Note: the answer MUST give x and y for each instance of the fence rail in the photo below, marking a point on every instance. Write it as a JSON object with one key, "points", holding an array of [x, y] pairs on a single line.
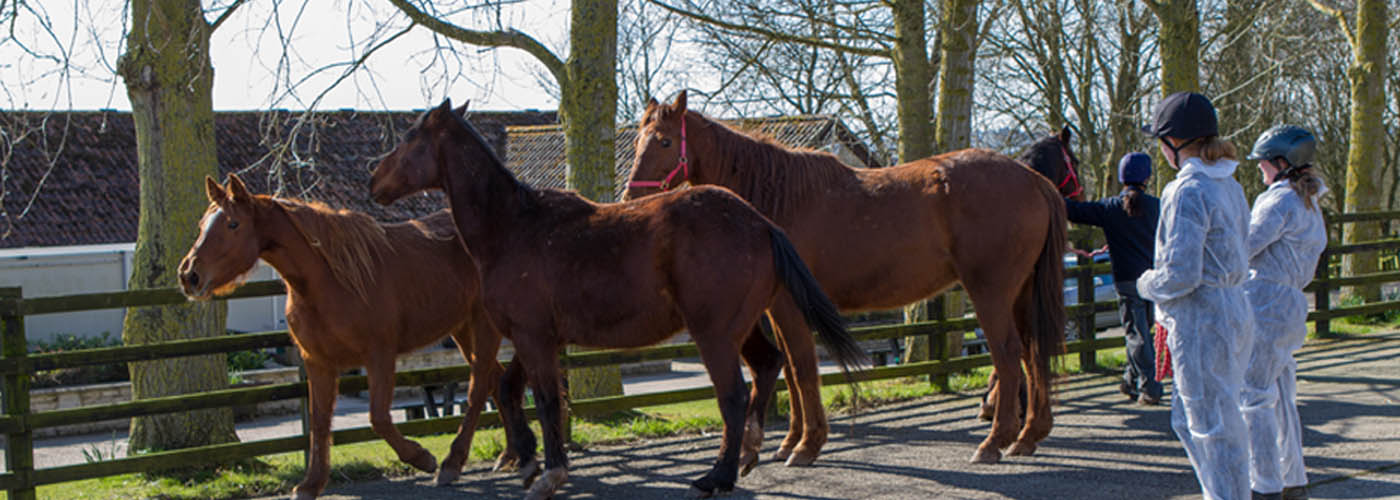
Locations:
{"points": [[17, 365]]}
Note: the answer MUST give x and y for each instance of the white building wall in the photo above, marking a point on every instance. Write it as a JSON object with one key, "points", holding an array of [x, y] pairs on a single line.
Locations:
{"points": [[51, 271]]}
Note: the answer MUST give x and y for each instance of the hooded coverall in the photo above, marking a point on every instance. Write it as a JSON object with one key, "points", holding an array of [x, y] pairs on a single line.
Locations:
{"points": [[1285, 241], [1200, 263]]}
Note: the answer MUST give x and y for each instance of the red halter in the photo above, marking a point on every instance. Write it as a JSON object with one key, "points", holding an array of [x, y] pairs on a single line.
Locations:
{"points": [[1070, 175], [682, 167]]}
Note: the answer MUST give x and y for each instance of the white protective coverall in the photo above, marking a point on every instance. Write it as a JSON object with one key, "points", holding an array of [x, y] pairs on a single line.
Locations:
{"points": [[1285, 241], [1199, 266]]}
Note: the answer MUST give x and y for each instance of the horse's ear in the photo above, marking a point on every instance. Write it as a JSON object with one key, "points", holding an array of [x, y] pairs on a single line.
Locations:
{"points": [[462, 110], [237, 191], [1065, 134], [213, 190], [680, 102], [652, 104], [442, 109]]}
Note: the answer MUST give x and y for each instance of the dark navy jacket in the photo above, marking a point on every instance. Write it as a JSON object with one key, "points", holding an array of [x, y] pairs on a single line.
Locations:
{"points": [[1129, 238]]}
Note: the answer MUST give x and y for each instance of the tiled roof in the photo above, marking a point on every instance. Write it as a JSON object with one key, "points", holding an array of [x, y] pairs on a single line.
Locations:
{"points": [[536, 153], [90, 191]]}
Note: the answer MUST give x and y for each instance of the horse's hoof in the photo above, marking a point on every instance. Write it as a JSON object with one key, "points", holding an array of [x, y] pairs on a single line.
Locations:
{"points": [[300, 493], [424, 461], [988, 411], [696, 492], [505, 462], [529, 471], [783, 453], [801, 458], [747, 461], [548, 484], [1020, 449], [446, 475], [986, 456]]}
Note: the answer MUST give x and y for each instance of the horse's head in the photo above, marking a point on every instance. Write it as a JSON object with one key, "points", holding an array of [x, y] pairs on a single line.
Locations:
{"points": [[228, 243], [1053, 157], [415, 164], [661, 162]]}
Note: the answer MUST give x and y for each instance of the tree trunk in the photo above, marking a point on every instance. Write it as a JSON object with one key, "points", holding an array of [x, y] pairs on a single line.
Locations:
{"points": [[1179, 42], [1367, 74], [954, 129], [959, 29], [168, 78], [589, 110], [912, 76]]}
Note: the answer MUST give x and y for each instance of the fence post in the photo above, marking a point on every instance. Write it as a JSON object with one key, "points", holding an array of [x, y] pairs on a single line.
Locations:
{"points": [[1088, 360], [306, 412], [19, 449], [1322, 296], [938, 341]]}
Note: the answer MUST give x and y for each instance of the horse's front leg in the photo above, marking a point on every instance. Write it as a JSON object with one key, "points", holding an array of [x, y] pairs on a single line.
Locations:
{"points": [[545, 377], [321, 389], [520, 440], [479, 345], [381, 394]]}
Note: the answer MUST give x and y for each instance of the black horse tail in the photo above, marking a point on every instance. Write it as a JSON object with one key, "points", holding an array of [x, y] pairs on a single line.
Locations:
{"points": [[821, 314], [1047, 312]]}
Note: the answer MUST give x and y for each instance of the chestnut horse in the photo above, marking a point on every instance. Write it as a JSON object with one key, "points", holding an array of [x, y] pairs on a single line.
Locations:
{"points": [[882, 238], [559, 269], [355, 297]]}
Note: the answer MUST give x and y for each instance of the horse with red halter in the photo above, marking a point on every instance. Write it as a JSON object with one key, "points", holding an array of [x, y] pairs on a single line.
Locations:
{"points": [[559, 269], [1053, 157], [882, 238], [355, 297]]}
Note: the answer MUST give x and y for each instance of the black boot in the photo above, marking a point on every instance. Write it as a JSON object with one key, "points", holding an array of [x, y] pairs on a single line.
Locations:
{"points": [[1254, 495], [1295, 493]]}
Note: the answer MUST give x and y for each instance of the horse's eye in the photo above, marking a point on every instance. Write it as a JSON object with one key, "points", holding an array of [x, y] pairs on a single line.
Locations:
{"points": [[233, 224], [665, 143]]}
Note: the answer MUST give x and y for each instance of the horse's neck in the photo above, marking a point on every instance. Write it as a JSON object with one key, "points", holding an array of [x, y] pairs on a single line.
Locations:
{"points": [[768, 185], [300, 266], [484, 205]]}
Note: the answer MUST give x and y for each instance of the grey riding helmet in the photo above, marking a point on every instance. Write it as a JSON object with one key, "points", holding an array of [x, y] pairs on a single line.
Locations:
{"points": [[1292, 143]]}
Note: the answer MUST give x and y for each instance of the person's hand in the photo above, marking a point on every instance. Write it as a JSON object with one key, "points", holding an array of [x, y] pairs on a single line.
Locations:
{"points": [[1101, 250]]}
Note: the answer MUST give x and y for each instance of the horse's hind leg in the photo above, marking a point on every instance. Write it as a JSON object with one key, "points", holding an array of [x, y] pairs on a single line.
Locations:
{"points": [[989, 406], [321, 387], [994, 312], [795, 415], [1036, 394], [722, 363], [764, 361], [486, 374], [381, 392], [797, 337]]}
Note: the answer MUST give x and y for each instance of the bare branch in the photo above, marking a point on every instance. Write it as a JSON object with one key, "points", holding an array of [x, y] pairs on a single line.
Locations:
{"points": [[225, 15], [785, 37], [1340, 16], [503, 38]]}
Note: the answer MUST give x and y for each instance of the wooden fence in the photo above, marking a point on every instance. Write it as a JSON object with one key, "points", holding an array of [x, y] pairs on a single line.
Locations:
{"points": [[17, 365]]}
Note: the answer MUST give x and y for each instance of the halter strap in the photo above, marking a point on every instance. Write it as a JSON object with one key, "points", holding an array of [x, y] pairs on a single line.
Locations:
{"points": [[1070, 174], [682, 167]]}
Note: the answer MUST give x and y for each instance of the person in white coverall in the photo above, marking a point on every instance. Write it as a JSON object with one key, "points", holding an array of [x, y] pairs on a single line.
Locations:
{"points": [[1286, 237], [1199, 265]]}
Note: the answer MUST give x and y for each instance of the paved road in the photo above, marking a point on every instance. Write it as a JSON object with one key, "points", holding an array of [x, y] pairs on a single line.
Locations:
{"points": [[1102, 447]]}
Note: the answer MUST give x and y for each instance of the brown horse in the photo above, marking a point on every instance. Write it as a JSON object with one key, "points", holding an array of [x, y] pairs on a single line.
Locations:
{"points": [[355, 297], [559, 269], [881, 238]]}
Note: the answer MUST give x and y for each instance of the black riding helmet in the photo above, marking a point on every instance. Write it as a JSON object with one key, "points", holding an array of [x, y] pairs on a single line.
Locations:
{"points": [[1294, 144], [1183, 115]]}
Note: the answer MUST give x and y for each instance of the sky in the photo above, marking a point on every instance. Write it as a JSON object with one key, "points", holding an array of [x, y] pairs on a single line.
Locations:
{"points": [[252, 71]]}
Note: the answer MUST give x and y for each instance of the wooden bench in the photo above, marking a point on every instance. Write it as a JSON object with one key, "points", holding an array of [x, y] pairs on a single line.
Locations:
{"points": [[451, 403]]}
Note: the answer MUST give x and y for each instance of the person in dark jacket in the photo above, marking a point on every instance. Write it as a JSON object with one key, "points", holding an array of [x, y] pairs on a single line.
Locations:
{"points": [[1129, 223]]}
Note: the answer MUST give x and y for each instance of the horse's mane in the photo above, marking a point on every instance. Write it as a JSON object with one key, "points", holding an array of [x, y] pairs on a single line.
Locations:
{"points": [[773, 177], [349, 241], [525, 191]]}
